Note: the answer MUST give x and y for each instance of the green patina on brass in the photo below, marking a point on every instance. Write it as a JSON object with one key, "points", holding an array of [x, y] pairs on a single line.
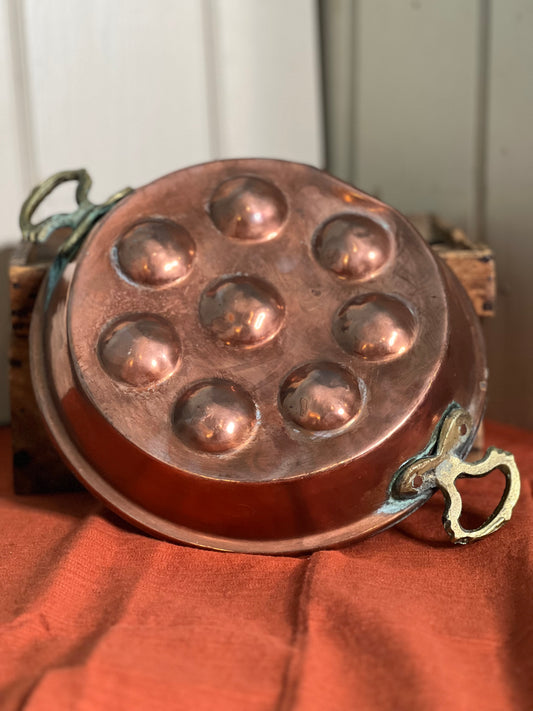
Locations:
{"points": [[80, 221], [441, 463]]}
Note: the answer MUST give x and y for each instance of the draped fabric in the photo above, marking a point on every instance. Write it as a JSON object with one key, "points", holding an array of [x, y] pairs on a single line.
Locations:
{"points": [[95, 615]]}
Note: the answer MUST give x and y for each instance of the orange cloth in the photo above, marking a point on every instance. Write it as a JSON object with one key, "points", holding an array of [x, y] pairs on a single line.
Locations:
{"points": [[94, 615]]}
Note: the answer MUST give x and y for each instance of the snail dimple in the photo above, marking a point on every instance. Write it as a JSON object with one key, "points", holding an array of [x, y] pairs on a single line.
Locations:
{"points": [[139, 351], [156, 253], [248, 208], [375, 327], [352, 246], [320, 397], [215, 416], [242, 311]]}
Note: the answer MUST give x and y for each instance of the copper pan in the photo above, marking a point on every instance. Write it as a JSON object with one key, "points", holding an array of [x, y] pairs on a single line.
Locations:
{"points": [[252, 355]]}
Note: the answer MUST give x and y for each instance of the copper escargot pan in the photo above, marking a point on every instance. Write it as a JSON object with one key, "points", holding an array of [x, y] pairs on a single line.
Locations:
{"points": [[245, 355]]}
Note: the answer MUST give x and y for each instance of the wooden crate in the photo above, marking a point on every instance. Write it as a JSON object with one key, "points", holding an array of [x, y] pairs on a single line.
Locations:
{"points": [[38, 469], [473, 264]]}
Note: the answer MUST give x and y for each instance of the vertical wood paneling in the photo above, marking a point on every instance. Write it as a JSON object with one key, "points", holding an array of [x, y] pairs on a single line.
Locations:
{"points": [[267, 78], [509, 214], [12, 185], [117, 87], [132, 89], [337, 20], [416, 112]]}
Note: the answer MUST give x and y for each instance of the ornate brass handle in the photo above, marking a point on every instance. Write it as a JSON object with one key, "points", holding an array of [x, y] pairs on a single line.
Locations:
{"points": [[42, 230], [441, 464], [79, 221]]}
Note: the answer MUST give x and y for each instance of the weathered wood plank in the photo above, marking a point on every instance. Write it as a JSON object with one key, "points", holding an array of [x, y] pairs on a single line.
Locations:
{"points": [[475, 269], [37, 467], [473, 264]]}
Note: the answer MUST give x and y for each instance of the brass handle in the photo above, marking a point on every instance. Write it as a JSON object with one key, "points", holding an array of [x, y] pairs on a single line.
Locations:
{"points": [[80, 221], [441, 464], [454, 468], [42, 230]]}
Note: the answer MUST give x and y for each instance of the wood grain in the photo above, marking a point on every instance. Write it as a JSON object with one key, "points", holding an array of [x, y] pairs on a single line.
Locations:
{"points": [[37, 467], [475, 269]]}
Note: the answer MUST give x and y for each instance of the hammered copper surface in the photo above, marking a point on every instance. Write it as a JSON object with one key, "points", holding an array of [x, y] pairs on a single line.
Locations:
{"points": [[245, 352]]}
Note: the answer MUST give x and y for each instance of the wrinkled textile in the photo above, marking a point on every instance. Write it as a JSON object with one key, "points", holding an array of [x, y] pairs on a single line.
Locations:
{"points": [[94, 615]]}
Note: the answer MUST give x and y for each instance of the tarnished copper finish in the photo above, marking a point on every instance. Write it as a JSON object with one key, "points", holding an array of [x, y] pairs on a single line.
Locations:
{"points": [[353, 246], [248, 208], [139, 351], [155, 253], [244, 353], [375, 327], [320, 397], [215, 416], [241, 311]]}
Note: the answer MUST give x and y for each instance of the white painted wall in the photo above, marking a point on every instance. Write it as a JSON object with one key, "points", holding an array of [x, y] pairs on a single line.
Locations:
{"points": [[132, 90], [509, 192], [13, 151], [430, 106]]}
